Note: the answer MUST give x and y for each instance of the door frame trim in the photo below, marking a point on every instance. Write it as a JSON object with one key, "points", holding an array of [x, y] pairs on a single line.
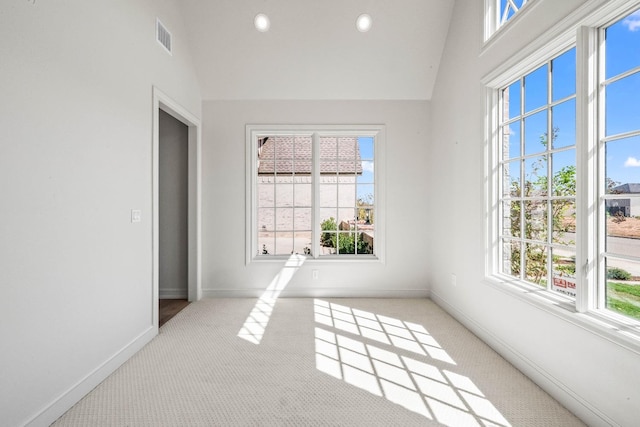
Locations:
{"points": [[162, 101]]}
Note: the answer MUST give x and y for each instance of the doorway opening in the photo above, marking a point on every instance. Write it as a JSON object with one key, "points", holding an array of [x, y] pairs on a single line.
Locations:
{"points": [[176, 208]]}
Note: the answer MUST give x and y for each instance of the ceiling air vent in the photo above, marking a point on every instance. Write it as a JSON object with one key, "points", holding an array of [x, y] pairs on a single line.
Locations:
{"points": [[163, 36]]}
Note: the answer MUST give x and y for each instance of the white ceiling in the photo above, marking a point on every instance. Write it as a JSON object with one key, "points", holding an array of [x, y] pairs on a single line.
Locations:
{"points": [[313, 50]]}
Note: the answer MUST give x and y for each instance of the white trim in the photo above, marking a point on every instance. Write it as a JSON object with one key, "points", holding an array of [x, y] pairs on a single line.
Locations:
{"points": [[378, 132], [174, 293], [315, 292], [493, 30], [163, 102], [549, 383], [586, 173], [55, 409]]}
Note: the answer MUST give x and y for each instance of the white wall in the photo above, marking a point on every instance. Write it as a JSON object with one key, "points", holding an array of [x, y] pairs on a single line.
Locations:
{"points": [[223, 205], [75, 141], [593, 377]]}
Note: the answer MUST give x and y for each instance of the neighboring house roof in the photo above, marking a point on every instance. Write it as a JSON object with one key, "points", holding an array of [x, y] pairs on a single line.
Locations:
{"points": [[283, 154], [626, 188]]}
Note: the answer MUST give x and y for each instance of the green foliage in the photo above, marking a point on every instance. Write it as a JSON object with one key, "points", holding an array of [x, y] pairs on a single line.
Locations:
{"points": [[623, 288], [345, 242], [623, 307], [615, 273], [536, 225]]}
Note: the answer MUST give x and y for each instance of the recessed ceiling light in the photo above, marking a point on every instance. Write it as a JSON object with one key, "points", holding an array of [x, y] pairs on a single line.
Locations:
{"points": [[261, 21], [363, 23]]}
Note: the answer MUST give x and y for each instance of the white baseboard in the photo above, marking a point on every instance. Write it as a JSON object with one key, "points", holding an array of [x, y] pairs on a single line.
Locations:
{"points": [[319, 293], [66, 400], [568, 398], [174, 293]]}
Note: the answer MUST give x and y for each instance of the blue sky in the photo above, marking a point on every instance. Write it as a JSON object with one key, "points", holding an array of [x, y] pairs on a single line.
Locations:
{"points": [[623, 99], [365, 181]]}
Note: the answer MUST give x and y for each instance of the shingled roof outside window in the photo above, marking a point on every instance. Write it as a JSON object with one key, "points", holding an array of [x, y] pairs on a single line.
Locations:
{"points": [[286, 155]]}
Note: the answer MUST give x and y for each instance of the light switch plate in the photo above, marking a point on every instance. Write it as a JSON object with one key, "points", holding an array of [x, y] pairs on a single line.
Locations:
{"points": [[136, 215]]}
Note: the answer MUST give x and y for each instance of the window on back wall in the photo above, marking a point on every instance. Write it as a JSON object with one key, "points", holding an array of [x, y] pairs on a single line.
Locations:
{"points": [[564, 193], [314, 191]]}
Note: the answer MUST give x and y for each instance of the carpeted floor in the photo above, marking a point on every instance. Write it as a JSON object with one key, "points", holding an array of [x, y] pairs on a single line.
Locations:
{"points": [[316, 362]]}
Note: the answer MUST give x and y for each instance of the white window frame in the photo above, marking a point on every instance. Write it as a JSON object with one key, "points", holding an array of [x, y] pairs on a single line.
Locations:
{"points": [[582, 29], [378, 132], [493, 23]]}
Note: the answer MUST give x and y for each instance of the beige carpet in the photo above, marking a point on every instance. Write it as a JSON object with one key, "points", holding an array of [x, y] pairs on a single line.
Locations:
{"points": [[316, 362]]}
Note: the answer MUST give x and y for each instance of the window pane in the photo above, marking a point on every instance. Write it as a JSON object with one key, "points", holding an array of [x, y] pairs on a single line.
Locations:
{"points": [[564, 221], [284, 244], [346, 242], [302, 195], [302, 243], [366, 217], [563, 75], [266, 244], [328, 214], [365, 193], [511, 257], [284, 194], [564, 124], [511, 179], [266, 221], [508, 8], [564, 272], [367, 175], [346, 217], [266, 195], [511, 141], [328, 241], [536, 137], [302, 219], [536, 220], [511, 218], [284, 219], [535, 89], [328, 147], [536, 264], [622, 165], [623, 38], [364, 243], [346, 195], [622, 105], [564, 173], [622, 291], [623, 231], [365, 144], [536, 177], [328, 195], [511, 101]]}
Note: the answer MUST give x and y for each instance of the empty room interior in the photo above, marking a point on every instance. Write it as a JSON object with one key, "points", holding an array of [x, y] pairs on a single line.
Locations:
{"points": [[442, 186]]}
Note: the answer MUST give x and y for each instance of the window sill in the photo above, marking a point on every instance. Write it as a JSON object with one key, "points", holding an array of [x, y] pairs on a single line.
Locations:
{"points": [[614, 328], [322, 259]]}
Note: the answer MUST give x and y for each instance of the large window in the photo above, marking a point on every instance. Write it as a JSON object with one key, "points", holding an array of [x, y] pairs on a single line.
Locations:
{"points": [[314, 191], [565, 167]]}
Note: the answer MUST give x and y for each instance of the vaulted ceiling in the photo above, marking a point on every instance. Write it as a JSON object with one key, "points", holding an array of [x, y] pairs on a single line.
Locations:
{"points": [[313, 50]]}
